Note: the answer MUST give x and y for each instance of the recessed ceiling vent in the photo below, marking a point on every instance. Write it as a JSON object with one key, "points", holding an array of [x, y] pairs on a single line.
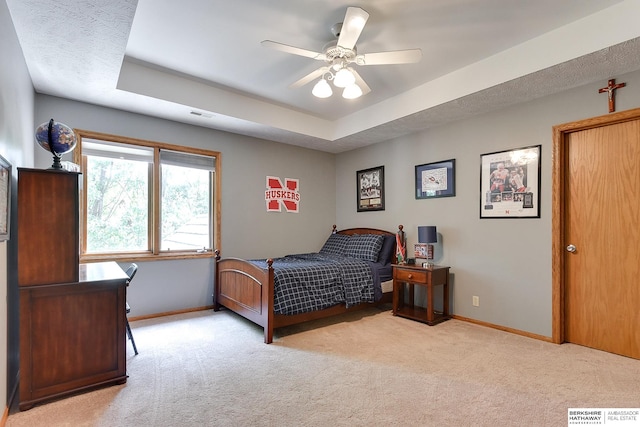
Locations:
{"points": [[200, 114]]}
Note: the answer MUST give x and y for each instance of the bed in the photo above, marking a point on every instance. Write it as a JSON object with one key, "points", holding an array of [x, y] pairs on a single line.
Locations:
{"points": [[273, 293]]}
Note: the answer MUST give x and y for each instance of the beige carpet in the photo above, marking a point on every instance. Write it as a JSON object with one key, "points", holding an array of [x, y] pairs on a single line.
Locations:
{"points": [[369, 369]]}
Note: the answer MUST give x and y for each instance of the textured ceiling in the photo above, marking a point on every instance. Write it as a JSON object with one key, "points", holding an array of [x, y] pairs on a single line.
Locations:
{"points": [[169, 59]]}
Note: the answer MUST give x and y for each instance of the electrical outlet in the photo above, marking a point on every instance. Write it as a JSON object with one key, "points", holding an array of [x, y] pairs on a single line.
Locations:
{"points": [[476, 301]]}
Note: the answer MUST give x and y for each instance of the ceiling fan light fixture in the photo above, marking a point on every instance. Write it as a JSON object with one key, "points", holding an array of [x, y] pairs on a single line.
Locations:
{"points": [[322, 89], [352, 91], [344, 77], [337, 64], [339, 54]]}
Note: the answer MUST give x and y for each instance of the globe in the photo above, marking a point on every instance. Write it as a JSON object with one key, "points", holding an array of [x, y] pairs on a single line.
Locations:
{"points": [[57, 138]]}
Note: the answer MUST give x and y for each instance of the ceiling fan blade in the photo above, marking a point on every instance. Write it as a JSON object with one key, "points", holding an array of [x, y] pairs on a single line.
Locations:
{"points": [[360, 82], [408, 56], [354, 21], [309, 77], [294, 50]]}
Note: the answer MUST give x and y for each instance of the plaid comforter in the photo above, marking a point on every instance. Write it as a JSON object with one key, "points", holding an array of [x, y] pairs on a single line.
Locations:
{"points": [[308, 282]]}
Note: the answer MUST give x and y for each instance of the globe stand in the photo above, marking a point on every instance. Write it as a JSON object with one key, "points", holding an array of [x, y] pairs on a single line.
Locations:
{"points": [[57, 165], [56, 157]]}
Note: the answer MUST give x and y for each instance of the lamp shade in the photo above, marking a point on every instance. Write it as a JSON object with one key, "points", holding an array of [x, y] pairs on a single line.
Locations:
{"points": [[322, 89], [352, 92], [344, 77], [427, 234]]}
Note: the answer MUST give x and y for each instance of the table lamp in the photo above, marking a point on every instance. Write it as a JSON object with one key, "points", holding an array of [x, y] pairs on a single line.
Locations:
{"points": [[428, 234]]}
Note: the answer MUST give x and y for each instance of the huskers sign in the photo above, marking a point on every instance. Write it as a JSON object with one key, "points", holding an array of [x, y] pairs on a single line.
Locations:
{"points": [[278, 195]]}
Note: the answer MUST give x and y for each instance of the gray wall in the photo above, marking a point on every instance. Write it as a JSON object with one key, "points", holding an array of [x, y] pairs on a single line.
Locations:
{"points": [[16, 145], [506, 262], [248, 230]]}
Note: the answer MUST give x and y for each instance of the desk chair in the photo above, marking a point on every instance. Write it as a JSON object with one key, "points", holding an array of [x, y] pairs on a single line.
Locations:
{"points": [[131, 271]]}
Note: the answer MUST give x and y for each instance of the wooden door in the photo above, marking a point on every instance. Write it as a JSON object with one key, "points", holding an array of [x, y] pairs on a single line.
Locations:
{"points": [[602, 221]]}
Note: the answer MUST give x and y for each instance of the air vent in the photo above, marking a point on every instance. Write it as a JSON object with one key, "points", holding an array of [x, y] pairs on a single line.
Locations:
{"points": [[200, 114]]}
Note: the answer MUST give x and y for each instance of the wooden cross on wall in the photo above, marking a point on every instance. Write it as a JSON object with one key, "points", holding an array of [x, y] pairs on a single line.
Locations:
{"points": [[611, 87]]}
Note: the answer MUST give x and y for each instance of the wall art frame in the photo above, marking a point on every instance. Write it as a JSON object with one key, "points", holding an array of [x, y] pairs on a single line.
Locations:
{"points": [[5, 199], [510, 183], [437, 179], [370, 185]]}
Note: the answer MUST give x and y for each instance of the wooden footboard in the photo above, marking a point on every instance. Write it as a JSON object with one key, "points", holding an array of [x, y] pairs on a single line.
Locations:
{"points": [[248, 290]]}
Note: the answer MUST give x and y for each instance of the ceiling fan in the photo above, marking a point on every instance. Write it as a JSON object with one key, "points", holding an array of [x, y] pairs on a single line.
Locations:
{"points": [[339, 56]]}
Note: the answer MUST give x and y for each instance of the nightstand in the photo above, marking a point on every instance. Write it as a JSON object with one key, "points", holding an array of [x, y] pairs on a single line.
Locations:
{"points": [[408, 276]]}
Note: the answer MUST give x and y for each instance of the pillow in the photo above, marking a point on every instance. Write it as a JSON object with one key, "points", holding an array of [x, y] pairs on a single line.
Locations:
{"points": [[364, 246], [387, 252], [335, 244]]}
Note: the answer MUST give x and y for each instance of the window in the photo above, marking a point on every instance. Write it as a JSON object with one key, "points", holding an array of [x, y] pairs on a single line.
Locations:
{"points": [[145, 199], [186, 201]]}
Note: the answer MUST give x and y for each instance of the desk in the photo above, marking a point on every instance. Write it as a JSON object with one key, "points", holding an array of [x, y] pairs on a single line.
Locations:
{"points": [[72, 335], [428, 277]]}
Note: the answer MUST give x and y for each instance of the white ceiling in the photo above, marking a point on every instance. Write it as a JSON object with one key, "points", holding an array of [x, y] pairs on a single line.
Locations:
{"points": [[166, 59]]}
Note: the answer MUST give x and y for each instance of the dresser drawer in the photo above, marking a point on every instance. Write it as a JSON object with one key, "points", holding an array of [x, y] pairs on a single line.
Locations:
{"points": [[411, 275]]}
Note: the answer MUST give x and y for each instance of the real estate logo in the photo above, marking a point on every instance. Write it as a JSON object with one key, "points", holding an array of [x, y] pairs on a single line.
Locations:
{"points": [[602, 416], [278, 195]]}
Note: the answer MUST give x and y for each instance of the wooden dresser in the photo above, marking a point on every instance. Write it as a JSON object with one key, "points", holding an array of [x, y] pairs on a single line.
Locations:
{"points": [[72, 316]]}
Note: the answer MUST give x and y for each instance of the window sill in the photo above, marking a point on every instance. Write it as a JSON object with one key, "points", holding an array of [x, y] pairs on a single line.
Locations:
{"points": [[129, 257]]}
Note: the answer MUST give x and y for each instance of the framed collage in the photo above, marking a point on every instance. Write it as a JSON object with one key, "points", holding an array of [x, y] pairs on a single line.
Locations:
{"points": [[370, 194], [510, 183]]}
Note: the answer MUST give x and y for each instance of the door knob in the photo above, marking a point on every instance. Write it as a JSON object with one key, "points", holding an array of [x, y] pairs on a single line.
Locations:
{"points": [[571, 248]]}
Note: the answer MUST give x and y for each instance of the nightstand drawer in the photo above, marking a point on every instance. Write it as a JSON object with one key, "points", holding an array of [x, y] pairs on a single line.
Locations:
{"points": [[411, 275]]}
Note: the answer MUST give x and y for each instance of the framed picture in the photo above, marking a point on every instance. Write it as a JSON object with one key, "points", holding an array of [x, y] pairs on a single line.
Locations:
{"points": [[5, 198], [420, 250], [370, 184], [510, 183], [436, 179]]}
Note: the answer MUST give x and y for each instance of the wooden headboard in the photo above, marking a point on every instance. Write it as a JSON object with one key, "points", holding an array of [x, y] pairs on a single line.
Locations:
{"points": [[364, 230]]}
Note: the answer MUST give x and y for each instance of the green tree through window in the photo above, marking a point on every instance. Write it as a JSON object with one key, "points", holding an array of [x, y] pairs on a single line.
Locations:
{"points": [[117, 205]]}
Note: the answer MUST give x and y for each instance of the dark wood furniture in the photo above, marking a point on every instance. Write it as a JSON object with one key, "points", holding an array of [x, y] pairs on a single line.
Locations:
{"points": [[248, 290], [408, 276], [48, 227], [72, 316], [72, 335]]}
